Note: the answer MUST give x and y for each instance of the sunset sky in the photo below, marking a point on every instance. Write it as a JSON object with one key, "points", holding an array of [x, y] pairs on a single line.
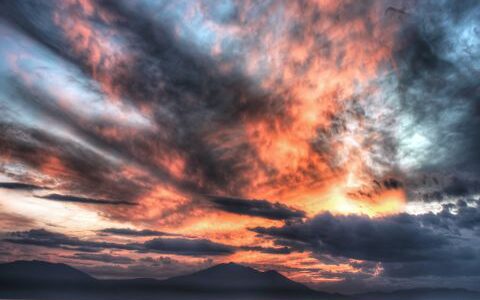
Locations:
{"points": [[337, 142]]}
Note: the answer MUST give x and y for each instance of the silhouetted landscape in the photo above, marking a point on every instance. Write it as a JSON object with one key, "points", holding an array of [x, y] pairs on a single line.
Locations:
{"points": [[44, 280]]}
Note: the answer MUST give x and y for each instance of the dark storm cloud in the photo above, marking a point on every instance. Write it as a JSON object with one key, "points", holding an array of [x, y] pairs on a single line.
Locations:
{"points": [[423, 246], [19, 186], [42, 237], [268, 250], [437, 53], [257, 208], [81, 169], [389, 183], [455, 216], [429, 247], [76, 199], [202, 245], [187, 93], [177, 246], [40, 27], [445, 188], [400, 238], [197, 99], [459, 187], [133, 232], [137, 148], [197, 247]]}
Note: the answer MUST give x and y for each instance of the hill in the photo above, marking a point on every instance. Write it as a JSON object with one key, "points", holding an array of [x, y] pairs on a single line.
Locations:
{"points": [[36, 279]]}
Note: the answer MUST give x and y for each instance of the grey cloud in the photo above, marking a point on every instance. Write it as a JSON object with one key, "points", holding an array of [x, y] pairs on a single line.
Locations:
{"points": [[437, 53], [76, 199], [42, 237], [20, 186], [455, 216], [135, 233], [269, 250], [84, 168], [400, 238], [258, 208], [190, 247], [177, 246]]}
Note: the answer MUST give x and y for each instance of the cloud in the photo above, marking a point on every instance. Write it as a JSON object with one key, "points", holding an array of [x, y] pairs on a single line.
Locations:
{"points": [[20, 186], [42, 237], [268, 250], [257, 208], [186, 73], [81, 169], [177, 246], [70, 198], [134, 233], [455, 216], [102, 257], [436, 51], [390, 252], [398, 238], [190, 247]]}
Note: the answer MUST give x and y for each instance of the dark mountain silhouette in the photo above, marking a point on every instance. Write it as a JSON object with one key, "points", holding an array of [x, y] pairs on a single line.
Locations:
{"points": [[232, 276], [43, 280], [40, 272], [36, 279]]}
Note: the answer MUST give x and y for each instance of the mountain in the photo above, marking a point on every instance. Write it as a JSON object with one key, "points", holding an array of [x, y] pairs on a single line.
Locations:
{"points": [[40, 272], [36, 279], [44, 280], [39, 279], [232, 276]]}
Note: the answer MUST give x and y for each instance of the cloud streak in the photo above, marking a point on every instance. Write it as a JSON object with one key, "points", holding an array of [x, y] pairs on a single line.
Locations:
{"points": [[133, 232], [20, 186], [177, 246], [76, 199], [257, 208]]}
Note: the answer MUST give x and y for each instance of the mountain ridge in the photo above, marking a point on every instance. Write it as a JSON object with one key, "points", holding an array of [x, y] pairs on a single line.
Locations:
{"points": [[41, 271], [232, 276], [38, 279], [229, 278]]}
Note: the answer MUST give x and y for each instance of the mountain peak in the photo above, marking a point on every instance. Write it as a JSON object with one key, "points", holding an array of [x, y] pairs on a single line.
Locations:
{"points": [[39, 276], [231, 266], [233, 276], [40, 271]]}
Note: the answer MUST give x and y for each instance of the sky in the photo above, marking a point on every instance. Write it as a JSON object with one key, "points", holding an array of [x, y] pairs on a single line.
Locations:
{"points": [[336, 142]]}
